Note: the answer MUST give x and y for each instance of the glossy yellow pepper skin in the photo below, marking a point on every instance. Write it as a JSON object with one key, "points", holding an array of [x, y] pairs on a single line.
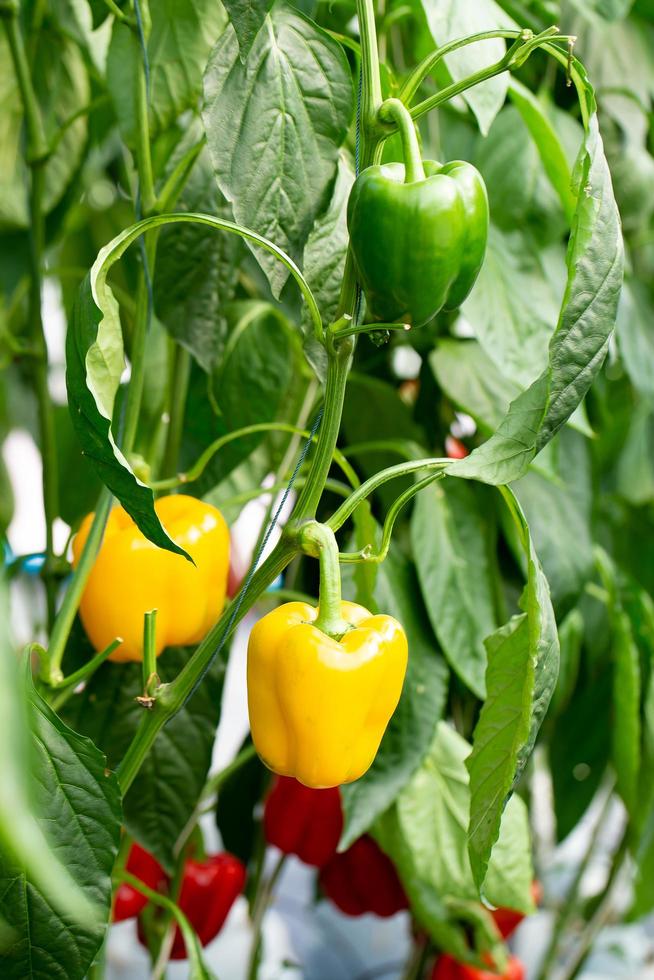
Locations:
{"points": [[319, 706], [131, 575]]}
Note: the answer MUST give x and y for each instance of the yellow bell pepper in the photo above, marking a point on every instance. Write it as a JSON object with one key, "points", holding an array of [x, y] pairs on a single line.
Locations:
{"points": [[131, 576], [319, 705]]}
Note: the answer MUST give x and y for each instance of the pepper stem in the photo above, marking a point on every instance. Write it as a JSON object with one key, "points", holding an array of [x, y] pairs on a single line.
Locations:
{"points": [[319, 541], [398, 112]]}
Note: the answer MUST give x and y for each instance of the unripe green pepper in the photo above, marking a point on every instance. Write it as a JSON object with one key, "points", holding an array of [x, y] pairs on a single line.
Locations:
{"points": [[418, 232]]}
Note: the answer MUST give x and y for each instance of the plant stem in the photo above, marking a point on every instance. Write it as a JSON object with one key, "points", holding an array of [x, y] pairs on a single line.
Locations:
{"points": [[36, 156], [68, 684], [413, 168], [569, 904], [66, 616], [181, 372], [260, 908], [514, 57], [149, 665], [600, 918], [371, 97], [319, 541], [340, 358]]}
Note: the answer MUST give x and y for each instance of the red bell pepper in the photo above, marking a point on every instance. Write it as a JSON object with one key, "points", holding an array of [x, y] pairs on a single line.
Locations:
{"points": [[303, 821], [209, 889], [129, 902], [508, 920], [447, 968], [363, 879]]}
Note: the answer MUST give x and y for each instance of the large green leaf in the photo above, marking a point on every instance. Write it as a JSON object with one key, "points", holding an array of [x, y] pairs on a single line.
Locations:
{"points": [[247, 17], [62, 89], [290, 104], [451, 551], [450, 20], [426, 835], [634, 335], [579, 344], [523, 660], [196, 269], [473, 381], [169, 783], [411, 729], [182, 35], [513, 307], [77, 805]]}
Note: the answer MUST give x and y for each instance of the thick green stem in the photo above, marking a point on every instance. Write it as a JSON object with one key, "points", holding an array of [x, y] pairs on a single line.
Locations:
{"points": [[149, 649], [143, 155], [395, 110], [340, 358], [319, 541], [372, 92], [37, 154]]}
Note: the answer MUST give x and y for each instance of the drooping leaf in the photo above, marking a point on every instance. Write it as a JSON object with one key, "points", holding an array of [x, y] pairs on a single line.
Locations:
{"points": [[626, 728], [579, 344], [95, 359], [182, 35], [169, 783], [426, 835], [411, 729], [450, 550], [290, 104], [523, 660], [77, 807]]}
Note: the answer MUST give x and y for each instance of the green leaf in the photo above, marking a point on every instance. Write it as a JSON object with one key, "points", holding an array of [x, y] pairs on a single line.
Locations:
{"points": [[626, 728], [324, 259], [635, 469], [571, 636], [449, 20], [182, 35], [472, 381], [290, 104], [522, 670], [450, 549], [94, 364], [529, 203], [171, 779], [426, 836], [77, 806], [238, 797], [62, 89], [634, 335], [558, 514], [259, 361], [196, 270], [546, 139], [513, 307], [579, 344], [247, 17], [411, 729], [79, 496]]}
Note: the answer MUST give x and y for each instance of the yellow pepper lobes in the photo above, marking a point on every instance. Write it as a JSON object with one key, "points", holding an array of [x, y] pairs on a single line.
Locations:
{"points": [[131, 575], [319, 706]]}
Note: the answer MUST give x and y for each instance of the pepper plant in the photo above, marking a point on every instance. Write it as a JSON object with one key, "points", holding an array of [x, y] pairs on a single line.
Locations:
{"points": [[363, 262]]}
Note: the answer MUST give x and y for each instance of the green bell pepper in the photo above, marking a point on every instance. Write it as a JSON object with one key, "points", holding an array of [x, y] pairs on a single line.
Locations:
{"points": [[417, 232]]}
